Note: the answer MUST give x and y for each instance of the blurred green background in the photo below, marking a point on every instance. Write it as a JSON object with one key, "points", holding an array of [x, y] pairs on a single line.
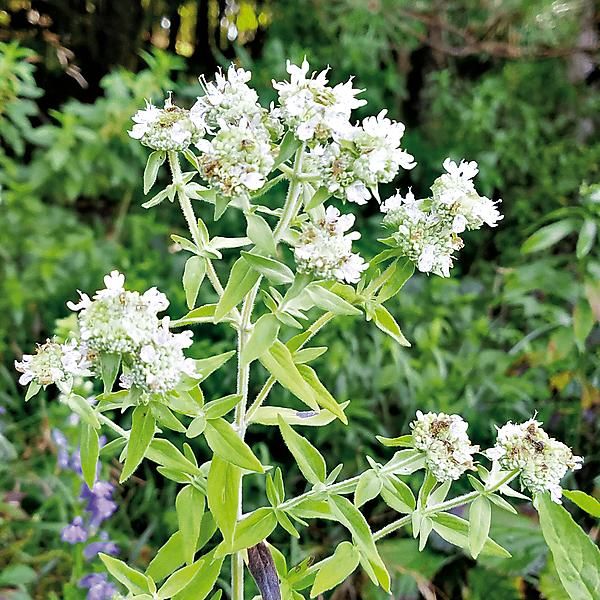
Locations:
{"points": [[513, 85]]}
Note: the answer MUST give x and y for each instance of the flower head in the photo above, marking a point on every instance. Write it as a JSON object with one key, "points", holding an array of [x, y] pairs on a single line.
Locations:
{"points": [[98, 586], [99, 502], [169, 128], [311, 108], [444, 440], [75, 532], [53, 363], [238, 159], [542, 460], [325, 249]]}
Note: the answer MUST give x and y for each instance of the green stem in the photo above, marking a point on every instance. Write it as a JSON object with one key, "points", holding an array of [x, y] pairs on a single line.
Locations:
{"points": [[293, 198], [119, 430], [444, 506]]}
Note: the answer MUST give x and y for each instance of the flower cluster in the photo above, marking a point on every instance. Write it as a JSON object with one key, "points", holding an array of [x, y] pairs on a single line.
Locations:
{"points": [[238, 159], [444, 440], [98, 586], [362, 157], [311, 108], [325, 249], [169, 128], [127, 323], [427, 231], [53, 363], [542, 460]]}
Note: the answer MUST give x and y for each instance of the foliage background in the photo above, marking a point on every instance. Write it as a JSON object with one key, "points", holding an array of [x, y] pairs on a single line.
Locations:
{"points": [[513, 85]]}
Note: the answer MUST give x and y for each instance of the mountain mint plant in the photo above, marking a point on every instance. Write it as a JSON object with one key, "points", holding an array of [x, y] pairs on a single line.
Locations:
{"points": [[295, 270]]}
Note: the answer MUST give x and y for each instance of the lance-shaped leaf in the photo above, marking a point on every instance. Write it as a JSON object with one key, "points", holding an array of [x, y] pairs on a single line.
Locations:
{"points": [[321, 394], [403, 441], [548, 236], [109, 368], [134, 581], [309, 460], [576, 557], [241, 280], [193, 276], [386, 322], [268, 415], [584, 501], [403, 271], [155, 160], [397, 495], [190, 508], [368, 487], [179, 580], [140, 436], [260, 233], [270, 268], [84, 409], [89, 449], [203, 582], [252, 529], [262, 568], [328, 300], [480, 519], [167, 455], [335, 569], [169, 558], [279, 362], [356, 524], [221, 406], [263, 336], [223, 496], [226, 443], [203, 314], [205, 366], [287, 148]]}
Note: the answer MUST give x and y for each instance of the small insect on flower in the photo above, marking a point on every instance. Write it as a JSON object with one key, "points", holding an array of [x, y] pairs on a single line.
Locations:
{"points": [[542, 460], [170, 128], [444, 440], [325, 249]]}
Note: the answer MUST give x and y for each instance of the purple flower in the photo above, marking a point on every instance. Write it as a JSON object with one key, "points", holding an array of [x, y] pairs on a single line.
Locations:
{"points": [[104, 545], [58, 437], [100, 504], [98, 587], [75, 532]]}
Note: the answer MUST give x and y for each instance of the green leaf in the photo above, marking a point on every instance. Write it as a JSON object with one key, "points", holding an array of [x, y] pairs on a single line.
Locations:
{"points": [[456, 531], [203, 314], [241, 280], [158, 198], [221, 406], [203, 582], [583, 322], [480, 519], [263, 336], [190, 508], [386, 322], [587, 236], [166, 454], [404, 269], [223, 496], [166, 418], [155, 160], [576, 557], [354, 521], [89, 449], [397, 495], [134, 581], [368, 487], [226, 443], [179, 580], [287, 148], [140, 436], [548, 236], [404, 441], [317, 198], [270, 268], [170, 557], [330, 301], [260, 233], [205, 366], [321, 394], [193, 275], [252, 529], [196, 427], [308, 458], [268, 415], [84, 409], [279, 362], [185, 244], [584, 501], [32, 390], [109, 368], [286, 523], [335, 569]]}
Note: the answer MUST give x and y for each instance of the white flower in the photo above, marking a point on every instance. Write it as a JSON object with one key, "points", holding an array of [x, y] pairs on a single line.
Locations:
{"points": [[53, 363], [325, 249], [160, 363], [541, 460], [238, 159], [444, 440], [455, 197], [311, 108], [169, 128], [117, 320]]}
